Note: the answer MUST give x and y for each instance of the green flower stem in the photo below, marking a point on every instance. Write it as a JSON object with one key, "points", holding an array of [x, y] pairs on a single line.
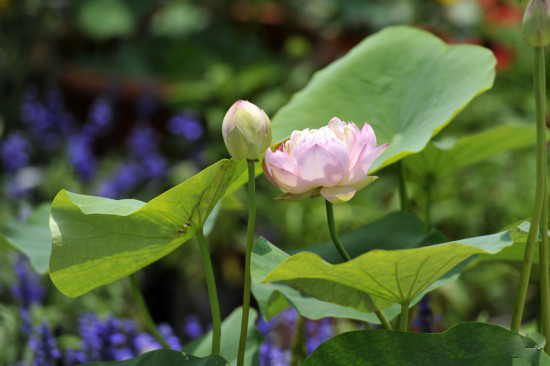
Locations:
{"points": [[212, 292], [545, 273], [403, 195], [299, 351], [540, 98], [404, 318], [345, 256], [144, 313], [249, 246]]}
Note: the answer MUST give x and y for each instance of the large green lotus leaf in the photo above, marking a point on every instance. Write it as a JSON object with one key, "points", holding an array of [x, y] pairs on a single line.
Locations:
{"points": [[396, 276], [273, 298], [442, 158], [515, 252], [31, 237], [98, 240], [474, 344], [397, 230], [407, 83], [166, 357], [231, 329]]}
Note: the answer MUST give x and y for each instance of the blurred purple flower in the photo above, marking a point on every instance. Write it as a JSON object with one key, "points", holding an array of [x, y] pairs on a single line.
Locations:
{"points": [[127, 177], [82, 157], [184, 124], [47, 120], [63, 121], [100, 115], [425, 316], [145, 342], [73, 357], [142, 141], [27, 291], [43, 345], [318, 332], [192, 326], [34, 113], [272, 355], [14, 151], [167, 333], [104, 341], [155, 166]]}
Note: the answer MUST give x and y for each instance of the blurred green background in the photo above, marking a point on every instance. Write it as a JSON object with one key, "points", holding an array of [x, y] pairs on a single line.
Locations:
{"points": [[89, 87]]}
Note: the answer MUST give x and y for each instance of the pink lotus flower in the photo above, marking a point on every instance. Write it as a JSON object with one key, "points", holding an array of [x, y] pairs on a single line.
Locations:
{"points": [[333, 161]]}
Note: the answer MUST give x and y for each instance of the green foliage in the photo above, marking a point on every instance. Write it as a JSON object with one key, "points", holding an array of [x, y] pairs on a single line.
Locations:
{"points": [[104, 19], [440, 159], [389, 276], [167, 358], [231, 328], [465, 344], [405, 82], [98, 240], [273, 298], [31, 237], [397, 230]]}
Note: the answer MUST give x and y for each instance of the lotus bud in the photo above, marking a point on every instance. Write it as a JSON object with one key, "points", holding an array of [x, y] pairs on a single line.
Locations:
{"points": [[246, 131], [536, 23]]}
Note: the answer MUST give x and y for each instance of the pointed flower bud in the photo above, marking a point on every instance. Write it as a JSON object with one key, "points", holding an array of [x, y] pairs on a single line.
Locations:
{"points": [[246, 131], [536, 23]]}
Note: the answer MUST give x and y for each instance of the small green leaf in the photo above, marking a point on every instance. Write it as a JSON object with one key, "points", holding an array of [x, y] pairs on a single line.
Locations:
{"points": [[442, 158], [231, 328], [32, 237], [464, 344], [98, 240], [167, 358], [389, 276], [407, 83]]}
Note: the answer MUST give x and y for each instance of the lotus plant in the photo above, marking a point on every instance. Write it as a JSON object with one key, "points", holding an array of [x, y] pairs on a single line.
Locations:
{"points": [[332, 161], [536, 32], [247, 134]]}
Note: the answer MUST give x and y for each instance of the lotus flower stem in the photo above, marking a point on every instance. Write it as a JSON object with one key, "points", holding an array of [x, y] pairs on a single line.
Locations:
{"points": [[545, 273], [345, 257], [404, 319], [540, 198], [144, 313], [249, 246], [403, 195], [212, 292]]}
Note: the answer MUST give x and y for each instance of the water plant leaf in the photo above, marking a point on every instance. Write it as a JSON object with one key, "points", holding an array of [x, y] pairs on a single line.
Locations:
{"points": [[389, 276], [166, 357], [464, 344], [31, 237], [98, 240], [407, 83], [442, 158], [273, 298], [231, 328]]}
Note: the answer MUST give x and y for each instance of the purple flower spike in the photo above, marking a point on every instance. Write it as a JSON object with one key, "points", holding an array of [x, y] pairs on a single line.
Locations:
{"points": [[44, 347], [14, 151], [193, 327], [184, 124]]}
